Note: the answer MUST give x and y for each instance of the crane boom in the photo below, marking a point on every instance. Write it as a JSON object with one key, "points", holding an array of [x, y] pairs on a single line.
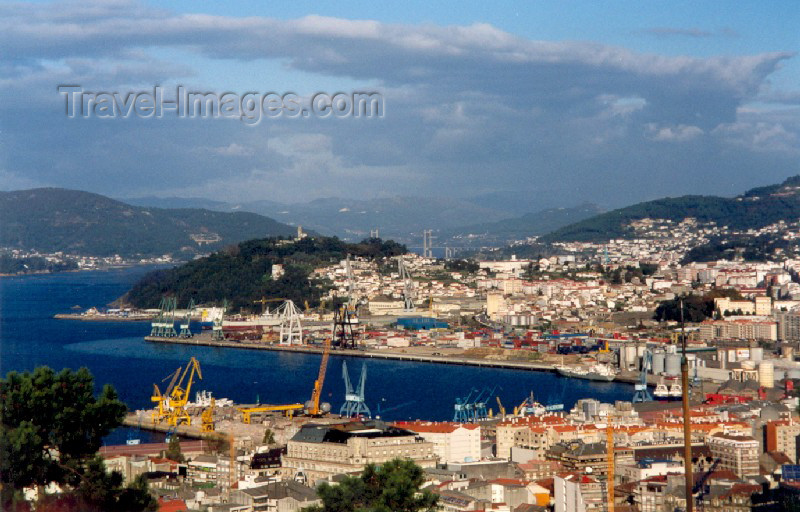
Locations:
{"points": [[323, 367]]}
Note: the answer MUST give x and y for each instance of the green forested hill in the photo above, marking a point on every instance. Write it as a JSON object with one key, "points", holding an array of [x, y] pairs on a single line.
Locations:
{"points": [[53, 219], [243, 273], [754, 209]]}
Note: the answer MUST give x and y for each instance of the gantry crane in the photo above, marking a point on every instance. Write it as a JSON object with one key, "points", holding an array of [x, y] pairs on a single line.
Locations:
{"points": [[313, 405], [179, 396], [288, 410]]}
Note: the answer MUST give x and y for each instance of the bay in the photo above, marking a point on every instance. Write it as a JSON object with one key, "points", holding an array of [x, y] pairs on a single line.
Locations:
{"points": [[116, 353]]}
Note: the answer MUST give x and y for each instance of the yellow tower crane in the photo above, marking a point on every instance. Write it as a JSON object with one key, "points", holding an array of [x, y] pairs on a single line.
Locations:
{"points": [[314, 408], [264, 301], [179, 396]]}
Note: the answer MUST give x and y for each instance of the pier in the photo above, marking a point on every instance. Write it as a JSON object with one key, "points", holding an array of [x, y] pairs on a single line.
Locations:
{"points": [[625, 377]]}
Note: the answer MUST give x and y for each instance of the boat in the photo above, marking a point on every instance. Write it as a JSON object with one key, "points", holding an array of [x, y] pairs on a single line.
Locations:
{"points": [[261, 322], [668, 393], [598, 372], [661, 392]]}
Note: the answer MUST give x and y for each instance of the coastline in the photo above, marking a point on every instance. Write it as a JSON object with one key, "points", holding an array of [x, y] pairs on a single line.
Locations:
{"points": [[381, 354]]}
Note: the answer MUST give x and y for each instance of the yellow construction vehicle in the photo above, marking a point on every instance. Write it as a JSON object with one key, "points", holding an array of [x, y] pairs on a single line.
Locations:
{"points": [[313, 405], [207, 418], [179, 396]]}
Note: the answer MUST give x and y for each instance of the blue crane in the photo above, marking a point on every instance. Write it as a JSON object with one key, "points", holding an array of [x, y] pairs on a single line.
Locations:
{"points": [[641, 393], [479, 406], [463, 408], [354, 404]]}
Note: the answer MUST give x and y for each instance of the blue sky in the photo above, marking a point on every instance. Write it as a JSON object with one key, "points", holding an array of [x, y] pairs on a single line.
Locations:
{"points": [[607, 102]]}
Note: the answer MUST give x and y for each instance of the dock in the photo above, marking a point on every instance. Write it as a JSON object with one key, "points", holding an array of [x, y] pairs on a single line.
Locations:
{"points": [[628, 378]]}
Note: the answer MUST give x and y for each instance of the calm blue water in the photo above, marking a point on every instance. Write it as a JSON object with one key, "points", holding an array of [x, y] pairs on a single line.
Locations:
{"points": [[116, 353]]}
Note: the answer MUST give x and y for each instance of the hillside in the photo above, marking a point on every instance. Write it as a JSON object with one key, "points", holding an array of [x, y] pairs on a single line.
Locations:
{"points": [[518, 228], [53, 219], [754, 209], [243, 273]]}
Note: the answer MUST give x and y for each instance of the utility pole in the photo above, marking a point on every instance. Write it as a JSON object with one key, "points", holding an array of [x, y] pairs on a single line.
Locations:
{"points": [[687, 432]]}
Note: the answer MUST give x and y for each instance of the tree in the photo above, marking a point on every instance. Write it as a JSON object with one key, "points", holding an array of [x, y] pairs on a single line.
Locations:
{"points": [[174, 449], [269, 437], [52, 427], [392, 487]]}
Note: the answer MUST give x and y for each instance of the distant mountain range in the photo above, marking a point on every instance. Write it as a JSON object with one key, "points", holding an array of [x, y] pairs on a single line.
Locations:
{"points": [[404, 218], [54, 219], [517, 228], [754, 209]]}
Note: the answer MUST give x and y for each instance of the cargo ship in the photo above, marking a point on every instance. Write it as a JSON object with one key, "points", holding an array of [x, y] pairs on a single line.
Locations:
{"points": [[598, 372]]}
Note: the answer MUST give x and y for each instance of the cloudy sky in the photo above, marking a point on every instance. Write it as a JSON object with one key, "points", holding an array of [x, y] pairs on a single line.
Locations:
{"points": [[609, 102]]}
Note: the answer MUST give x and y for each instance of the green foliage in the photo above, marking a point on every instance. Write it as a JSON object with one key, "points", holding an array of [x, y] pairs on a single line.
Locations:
{"points": [[735, 213], [11, 265], [243, 273], [52, 427], [269, 437], [468, 266], [392, 487], [747, 248], [174, 450], [696, 307], [52, 219]]}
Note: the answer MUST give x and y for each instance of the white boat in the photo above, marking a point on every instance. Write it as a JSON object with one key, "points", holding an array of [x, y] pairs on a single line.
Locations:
{"points": [[599, 372], [675, 392]]}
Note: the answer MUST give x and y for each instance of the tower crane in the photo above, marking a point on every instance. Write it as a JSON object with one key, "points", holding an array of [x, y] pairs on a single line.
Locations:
{"points": [[313, 406]]}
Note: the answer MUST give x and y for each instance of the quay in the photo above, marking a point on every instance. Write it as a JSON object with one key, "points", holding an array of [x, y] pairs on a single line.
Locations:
{"points": [[625, 377]]}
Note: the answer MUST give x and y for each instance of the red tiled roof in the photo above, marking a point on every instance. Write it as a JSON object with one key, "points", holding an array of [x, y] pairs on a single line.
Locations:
{"points": [[172, 505]]}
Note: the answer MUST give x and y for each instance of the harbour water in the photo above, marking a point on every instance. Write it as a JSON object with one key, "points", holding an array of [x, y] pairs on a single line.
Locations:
{"points": [[116, 353]]}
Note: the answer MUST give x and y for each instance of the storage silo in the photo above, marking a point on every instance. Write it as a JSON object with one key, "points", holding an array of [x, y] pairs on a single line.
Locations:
{"points": [[673, 364], [630, 357], [766, 377], [658, 362]]}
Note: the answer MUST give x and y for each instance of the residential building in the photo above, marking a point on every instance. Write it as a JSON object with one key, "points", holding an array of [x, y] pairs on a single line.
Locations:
{"points": [[738, 454], [577, 492], [287, 496], [319, 452], [452, 442]]}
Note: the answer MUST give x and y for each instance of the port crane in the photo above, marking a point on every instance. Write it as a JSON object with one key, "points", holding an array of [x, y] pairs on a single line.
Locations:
{"points": [[408, 285], [187, 319], [288, 410], [500, 409], [207, 418], [179, 396], [162, 399], [313, 406], [641, 393]]}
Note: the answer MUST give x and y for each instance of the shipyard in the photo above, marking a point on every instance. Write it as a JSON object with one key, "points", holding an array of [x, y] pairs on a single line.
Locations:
{"points": [[533, 257]]}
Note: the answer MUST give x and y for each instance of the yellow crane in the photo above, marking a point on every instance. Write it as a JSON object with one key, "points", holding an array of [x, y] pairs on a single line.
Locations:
{"points": [[179, 396], [314, 408], [500, 409], [162, 409], [288, 410], [264, 301], [207, 418]]}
